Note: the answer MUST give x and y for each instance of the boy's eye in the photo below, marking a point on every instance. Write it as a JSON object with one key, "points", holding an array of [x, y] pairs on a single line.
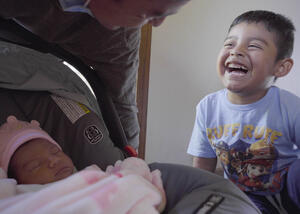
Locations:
{"points": [[228, 45], [254, 46]]}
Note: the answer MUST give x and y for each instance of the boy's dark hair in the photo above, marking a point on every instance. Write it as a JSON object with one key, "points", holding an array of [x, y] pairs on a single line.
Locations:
{"points": [[274, 22]]}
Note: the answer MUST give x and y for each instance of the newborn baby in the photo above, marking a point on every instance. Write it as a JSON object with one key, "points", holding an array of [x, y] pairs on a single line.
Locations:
{"points": [[30, 156]]}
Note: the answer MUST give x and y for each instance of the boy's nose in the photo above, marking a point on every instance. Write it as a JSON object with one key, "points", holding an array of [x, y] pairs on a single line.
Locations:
{"points": [[237, 52]]}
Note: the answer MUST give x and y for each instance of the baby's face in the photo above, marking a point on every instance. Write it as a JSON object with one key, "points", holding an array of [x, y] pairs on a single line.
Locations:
{"points": [[40, 162]]}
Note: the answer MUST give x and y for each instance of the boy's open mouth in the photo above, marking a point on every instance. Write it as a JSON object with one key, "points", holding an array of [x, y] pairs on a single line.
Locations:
{"points": [[231, 67]]}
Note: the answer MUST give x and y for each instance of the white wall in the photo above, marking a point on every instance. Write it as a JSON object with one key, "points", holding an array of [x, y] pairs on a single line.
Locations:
{"points": [[182, 69]]}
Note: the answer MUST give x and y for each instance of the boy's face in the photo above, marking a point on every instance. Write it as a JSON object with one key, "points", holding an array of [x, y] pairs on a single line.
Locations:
{"points": [[247, 61], [40, 162]]}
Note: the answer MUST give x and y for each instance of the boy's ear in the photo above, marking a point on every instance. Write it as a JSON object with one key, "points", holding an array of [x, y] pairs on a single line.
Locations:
{"points": [[284, 67]]}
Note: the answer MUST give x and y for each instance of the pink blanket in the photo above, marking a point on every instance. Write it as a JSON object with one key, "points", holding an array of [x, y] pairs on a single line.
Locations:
{"points": [[127, 187]]}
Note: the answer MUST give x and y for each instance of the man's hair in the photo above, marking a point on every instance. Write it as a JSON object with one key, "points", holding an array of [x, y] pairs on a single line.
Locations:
{"points": [[274, 22]]}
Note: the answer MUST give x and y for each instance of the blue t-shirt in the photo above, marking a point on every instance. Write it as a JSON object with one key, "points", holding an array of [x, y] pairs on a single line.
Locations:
{"points": [[255, 143]]}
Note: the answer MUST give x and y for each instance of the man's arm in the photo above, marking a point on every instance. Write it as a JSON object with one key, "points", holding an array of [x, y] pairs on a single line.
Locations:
{"points": [[208, 164]]}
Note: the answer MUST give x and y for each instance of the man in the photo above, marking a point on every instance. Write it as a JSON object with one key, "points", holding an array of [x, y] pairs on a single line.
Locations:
{"points": [[104, 34], [133, 13]]}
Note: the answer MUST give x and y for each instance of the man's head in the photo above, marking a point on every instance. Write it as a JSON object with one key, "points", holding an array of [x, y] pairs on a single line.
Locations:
{"points": [[133, 13], [30, 155], [256, 51]]}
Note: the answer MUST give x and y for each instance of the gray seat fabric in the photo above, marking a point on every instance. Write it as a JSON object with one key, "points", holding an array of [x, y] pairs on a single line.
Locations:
{"points": [[191, 190]]}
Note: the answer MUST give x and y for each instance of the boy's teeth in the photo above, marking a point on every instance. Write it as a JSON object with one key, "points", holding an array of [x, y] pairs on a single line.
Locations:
{"points": [[237, 66]]}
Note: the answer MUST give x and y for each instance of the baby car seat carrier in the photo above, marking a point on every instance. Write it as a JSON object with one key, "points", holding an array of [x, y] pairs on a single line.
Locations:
{"points": [[12, 32]]}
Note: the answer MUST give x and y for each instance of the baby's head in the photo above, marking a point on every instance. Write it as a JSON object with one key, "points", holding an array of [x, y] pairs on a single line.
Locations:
{"points": [[30, 155]]}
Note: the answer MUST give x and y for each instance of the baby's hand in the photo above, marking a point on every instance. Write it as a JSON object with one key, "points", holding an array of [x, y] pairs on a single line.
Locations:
{"points": [[131, 166], [139, 167], [114, 169]]}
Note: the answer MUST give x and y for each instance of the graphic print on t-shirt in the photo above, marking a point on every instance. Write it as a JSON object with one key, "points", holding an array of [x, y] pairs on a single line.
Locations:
{"points": [[252, 166]]}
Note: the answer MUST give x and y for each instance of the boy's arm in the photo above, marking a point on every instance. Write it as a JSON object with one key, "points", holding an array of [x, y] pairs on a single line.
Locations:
{"points": [[208, 164]]}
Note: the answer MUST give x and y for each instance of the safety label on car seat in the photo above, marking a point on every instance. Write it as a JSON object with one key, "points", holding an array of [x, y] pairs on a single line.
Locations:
{"points": [[73, 110]]}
